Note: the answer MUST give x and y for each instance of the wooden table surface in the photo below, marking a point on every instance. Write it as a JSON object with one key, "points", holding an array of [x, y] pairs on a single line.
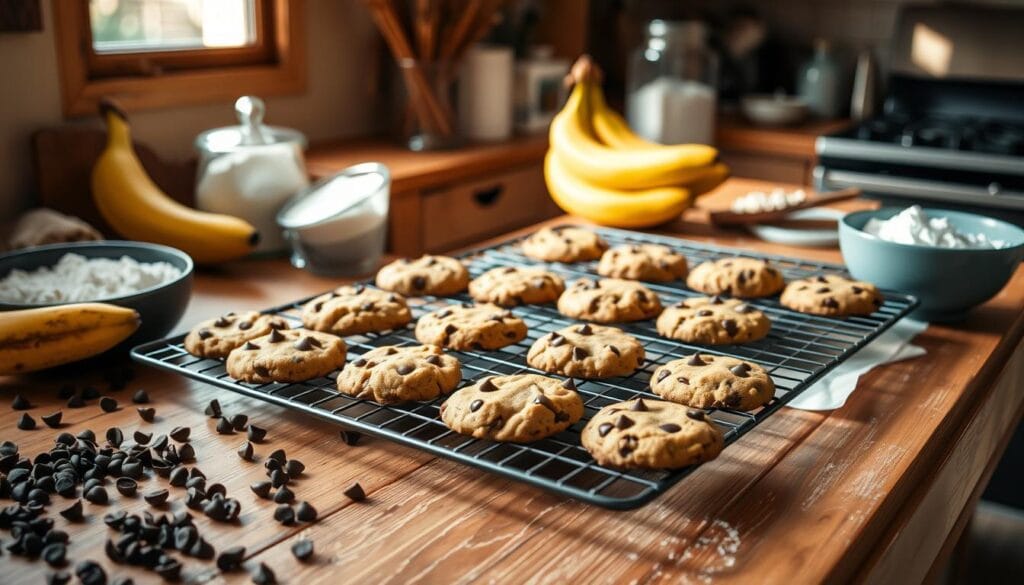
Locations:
{"points": [[873, 491]]}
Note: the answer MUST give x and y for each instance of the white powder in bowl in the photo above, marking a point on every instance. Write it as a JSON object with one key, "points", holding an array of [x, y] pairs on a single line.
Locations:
{"points": [[914, 226], [75, 278]]}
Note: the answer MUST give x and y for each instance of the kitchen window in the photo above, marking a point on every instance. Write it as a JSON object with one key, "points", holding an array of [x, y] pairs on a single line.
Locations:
{"points": [[160, 53]]}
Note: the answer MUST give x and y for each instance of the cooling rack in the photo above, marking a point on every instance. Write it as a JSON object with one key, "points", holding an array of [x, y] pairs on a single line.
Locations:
{"points": [[798, 350]]}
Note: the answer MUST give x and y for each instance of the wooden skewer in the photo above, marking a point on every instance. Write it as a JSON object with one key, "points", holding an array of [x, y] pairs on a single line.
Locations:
{"points": [[483, 25], [724, 218], [460, 30]]}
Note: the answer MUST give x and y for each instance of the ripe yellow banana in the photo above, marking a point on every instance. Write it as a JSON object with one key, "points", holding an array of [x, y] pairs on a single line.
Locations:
{"points": [[610, 127], [134, 206], [642, 208], [571, 135], [36, 339], [714, 176]]}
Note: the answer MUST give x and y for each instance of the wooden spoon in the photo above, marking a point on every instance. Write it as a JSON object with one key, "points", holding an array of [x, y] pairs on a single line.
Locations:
{"points": [[727, 218]]}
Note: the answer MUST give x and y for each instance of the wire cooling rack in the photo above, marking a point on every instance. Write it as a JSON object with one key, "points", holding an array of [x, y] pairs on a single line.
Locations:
{"points": [[799, 349]]}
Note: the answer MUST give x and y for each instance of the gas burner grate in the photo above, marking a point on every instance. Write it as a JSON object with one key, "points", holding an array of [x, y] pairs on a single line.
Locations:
{"points": [[799, 349]]}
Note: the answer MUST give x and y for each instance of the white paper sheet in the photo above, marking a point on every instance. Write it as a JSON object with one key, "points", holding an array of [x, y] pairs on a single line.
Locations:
{"points": [[832, 391]]}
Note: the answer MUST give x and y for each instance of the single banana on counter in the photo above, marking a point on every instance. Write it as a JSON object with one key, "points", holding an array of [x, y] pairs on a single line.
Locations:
{"points": [[36, 339], [632, 209], [137, 209]]}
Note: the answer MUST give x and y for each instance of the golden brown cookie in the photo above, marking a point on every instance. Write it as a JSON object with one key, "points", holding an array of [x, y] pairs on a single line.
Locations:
{"points": [[737, 277], [651, 434], [519, 408], [564, 244], [713, 321], [426, 275], [215, 338], [713, 381], [391, 374], [609, 300], [349, 310], [510, 286], [832, 295], [470, 327], [293, 355], [587, 351], [650, 262]]}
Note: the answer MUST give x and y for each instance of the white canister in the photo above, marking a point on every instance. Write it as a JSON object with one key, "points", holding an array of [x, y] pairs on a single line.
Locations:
{"points": [[486, 93]]}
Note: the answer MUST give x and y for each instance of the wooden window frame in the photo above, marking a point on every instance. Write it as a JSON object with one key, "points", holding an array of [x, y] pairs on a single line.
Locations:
{"points": [[274, 65]]}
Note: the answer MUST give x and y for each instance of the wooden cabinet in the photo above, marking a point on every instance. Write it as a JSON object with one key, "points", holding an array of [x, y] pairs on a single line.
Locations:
{"points": [[779, 155], [444, 199]]}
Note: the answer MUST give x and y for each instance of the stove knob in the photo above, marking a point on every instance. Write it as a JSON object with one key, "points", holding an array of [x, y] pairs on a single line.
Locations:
{"points": [[994, 188], [907, 138]]}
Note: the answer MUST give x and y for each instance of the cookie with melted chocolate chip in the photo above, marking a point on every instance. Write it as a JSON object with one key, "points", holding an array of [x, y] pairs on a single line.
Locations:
{"points": [[350, 310], [564, 244], [736, 277], [470, 327], [713, 321], [608, 300], [832, 295], [509, 286], [426, 275], [391, 374], [651, 434], [215, 338], [518, 408], [293, 355], [587, 351], [650, 262], [713, 381]]}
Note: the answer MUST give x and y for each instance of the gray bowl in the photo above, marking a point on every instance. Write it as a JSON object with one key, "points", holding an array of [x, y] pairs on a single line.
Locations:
{"points": [[160, 307], [948, 282]]}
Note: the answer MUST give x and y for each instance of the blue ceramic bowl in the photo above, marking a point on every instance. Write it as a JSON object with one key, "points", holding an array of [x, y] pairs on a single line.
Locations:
{"points": [[159, 307], [948, 282]]}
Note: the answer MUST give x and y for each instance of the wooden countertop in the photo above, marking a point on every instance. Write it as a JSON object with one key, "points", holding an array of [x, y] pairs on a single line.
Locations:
{"points": [[873, 491], [735, 133]]}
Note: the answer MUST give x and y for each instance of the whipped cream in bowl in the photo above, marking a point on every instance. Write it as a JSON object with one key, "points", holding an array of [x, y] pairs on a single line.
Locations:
{"points": [[914, 226]]}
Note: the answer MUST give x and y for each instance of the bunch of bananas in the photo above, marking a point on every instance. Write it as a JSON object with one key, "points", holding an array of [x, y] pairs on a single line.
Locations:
{"points": [[597, 168], [36, 339], [137, 209]]}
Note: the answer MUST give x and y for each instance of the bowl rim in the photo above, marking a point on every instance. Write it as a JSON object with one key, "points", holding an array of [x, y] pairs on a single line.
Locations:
{"points": [[71, 247], [844, 223]]}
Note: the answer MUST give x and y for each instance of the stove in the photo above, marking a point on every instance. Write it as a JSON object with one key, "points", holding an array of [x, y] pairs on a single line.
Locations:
{"points": [[952, 129]]}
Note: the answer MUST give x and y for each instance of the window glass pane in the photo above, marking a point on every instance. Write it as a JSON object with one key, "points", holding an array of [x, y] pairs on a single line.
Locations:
{"points": [[123, 26]]}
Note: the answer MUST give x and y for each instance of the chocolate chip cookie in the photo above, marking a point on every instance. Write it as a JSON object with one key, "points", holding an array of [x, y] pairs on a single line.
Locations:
{"points": [[519, 408], [737, 277], [832, 295], [426, 275], [587, 351], [650, 262], [564, 244], [470, 327], [349, 310], [293, 355], [609, 300], [713, 321], [651, 434], [215, 338], [391, 374], [712, 381], [511, 286]]}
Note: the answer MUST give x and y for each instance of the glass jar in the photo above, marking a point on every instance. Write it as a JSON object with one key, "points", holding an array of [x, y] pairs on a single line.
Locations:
{"points": [[250, 171], [671, 84]]}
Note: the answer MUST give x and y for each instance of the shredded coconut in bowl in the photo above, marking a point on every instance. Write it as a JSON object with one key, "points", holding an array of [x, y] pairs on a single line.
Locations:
{"points": [[75, 278]]}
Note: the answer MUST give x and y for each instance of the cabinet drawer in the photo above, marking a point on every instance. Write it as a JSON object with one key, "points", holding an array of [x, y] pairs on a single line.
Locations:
{"points": [[473, 210]]}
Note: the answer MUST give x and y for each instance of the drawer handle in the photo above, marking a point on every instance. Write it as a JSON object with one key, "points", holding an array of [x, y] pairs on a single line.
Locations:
{"points": [[487, 197]]}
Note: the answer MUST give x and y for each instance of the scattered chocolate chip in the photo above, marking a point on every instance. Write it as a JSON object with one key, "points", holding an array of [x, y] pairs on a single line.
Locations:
{"points": [[90, 393], [96, 495], [294, 468], [169, 570], [53, 420], [585, 329], [187, 452], [75, 402], [351, 438], [108, 404], [605, 428], [275, 336], [284, 495], [231, 558], [303, 549], [224, 426], [730, 326], [639, 405], [263, 575], [147, 414], [213, 409], [256, 434], [73, 513], [126, 486], [245, 451], [178, 477], [487, 385], [279, 478], [696, 414], [695, 360], [140, 397], [355, 492], [284, 514], [180, 434], [278, 455], [156, 498], [304, 512], [261, 488], [26, 422], [20, 403], [142, 438], [55, 554], [90, 573]]}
